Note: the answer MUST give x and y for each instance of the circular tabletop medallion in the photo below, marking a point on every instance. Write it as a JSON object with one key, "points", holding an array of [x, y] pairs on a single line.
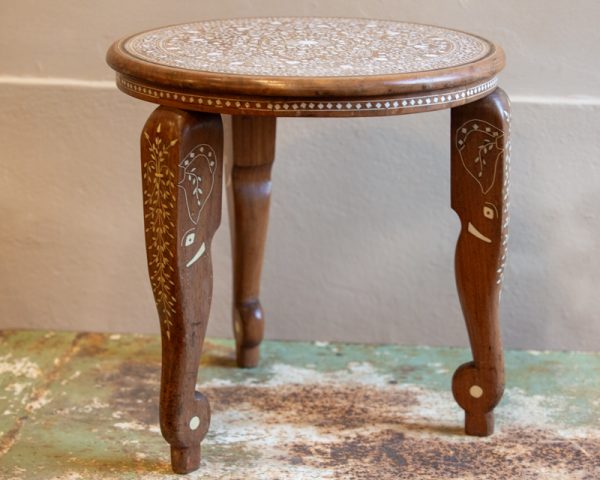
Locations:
{"points": [[306, 47], [306, 57]]}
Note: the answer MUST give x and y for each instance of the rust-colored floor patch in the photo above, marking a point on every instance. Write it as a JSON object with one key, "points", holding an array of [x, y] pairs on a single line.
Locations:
{"points": [[86, 407]]}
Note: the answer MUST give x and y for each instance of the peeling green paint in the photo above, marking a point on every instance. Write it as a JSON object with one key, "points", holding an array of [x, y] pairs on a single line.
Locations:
{"points": [[85, 406]]}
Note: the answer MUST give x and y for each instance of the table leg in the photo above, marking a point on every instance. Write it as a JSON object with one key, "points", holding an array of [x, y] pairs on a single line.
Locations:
{"points": [[181, 175], [480, 177], [249, 195]]}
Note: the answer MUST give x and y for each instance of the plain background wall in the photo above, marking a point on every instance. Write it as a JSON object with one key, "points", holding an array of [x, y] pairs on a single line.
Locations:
{"points": [[361, 238]]}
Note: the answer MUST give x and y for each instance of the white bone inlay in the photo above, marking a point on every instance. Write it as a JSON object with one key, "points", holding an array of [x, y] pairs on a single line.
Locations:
{"points": [[307, 46], [194, 423], [199, 253], [476, 233], [476, 391], [488, 213], [189, 239], [399, 104]]}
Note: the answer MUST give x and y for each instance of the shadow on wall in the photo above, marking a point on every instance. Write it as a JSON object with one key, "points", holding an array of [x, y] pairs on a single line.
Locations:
{"points": [[550, 299]]}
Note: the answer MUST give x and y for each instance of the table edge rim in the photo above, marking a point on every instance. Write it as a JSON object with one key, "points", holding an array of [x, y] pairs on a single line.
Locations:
{"points": [[299, 86]]}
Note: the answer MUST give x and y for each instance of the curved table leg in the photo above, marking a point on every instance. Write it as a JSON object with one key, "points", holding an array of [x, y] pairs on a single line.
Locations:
{"points": [[249, 195], [480, 175], [181, 176]]}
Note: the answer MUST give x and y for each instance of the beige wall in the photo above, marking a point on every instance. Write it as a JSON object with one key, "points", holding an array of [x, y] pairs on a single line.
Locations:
{"points": [[347, 259]]}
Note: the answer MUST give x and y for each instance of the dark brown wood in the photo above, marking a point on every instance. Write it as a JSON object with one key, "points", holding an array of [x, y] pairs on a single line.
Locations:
{"points": [[480, 177], [182, 184], [181, 175], [163, 68], [249, 196], [306, 86], [318, 106]]}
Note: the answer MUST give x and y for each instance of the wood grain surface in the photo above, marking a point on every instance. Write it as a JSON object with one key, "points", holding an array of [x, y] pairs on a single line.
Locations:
{"points": [[182, 176], [480, 179], [250, 194], [363, 68]]}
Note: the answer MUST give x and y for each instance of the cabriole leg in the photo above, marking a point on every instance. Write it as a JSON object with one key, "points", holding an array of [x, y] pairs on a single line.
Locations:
{"points": [[181, 176], [480, 175], [249, 196]]}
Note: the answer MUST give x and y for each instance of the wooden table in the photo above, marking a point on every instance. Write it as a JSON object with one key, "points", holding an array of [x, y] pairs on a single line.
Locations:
{"points": [[262, 68]]}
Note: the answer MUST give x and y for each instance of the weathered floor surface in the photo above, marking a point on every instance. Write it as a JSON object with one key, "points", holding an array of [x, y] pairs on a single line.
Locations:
{"points": [[85, 406]]}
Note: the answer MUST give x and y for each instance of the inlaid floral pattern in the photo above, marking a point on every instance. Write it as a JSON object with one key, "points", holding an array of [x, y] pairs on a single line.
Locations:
{"points": [[197, 179], [159, 187], [490, 146], [306, 46]]}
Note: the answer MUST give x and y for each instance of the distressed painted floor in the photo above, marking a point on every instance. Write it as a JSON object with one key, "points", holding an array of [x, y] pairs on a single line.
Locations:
{"points": [[84, 406]]}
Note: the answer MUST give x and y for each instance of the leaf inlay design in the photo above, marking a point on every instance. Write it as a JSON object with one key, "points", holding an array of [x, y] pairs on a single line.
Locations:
{"points": [[159, 187], [482, 162]]}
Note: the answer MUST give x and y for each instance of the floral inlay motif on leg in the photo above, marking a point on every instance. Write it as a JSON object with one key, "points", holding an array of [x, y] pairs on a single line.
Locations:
{"points": [[159, 189], [490, 141], [197, 178]]}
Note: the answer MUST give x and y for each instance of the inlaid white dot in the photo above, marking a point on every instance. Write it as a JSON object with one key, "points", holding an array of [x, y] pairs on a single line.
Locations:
{"points": [[194, 423], [224, 102], [476, 391]]}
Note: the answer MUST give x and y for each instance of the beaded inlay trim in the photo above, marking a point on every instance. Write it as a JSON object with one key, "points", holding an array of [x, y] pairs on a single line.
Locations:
{"points": [[298, 107], [307, 47]]}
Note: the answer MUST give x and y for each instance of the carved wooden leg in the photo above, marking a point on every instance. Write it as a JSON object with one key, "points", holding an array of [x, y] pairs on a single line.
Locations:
{"points": [[182, 172], [480, 176], [253, 155]]}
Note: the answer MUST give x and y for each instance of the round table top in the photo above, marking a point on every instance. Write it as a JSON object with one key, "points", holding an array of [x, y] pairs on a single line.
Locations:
{"points": [[306, 66]]}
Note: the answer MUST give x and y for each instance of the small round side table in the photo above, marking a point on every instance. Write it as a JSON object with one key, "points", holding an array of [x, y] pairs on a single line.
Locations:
{"points": [[259, 69]]}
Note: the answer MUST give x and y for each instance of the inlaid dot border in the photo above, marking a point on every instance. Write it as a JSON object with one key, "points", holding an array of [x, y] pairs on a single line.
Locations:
{"points": [[305, 107]]}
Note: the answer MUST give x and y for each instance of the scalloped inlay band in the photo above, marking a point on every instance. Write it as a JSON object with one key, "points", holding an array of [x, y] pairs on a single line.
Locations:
{"points": [[322, 107]]}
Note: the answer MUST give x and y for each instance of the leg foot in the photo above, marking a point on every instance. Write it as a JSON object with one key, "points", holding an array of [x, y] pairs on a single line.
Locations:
{"points": [[247, 357], [249, 325], [480, 177], [185, 460], [479, 425], [477, 396], [181, 177], [249, 195]]}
